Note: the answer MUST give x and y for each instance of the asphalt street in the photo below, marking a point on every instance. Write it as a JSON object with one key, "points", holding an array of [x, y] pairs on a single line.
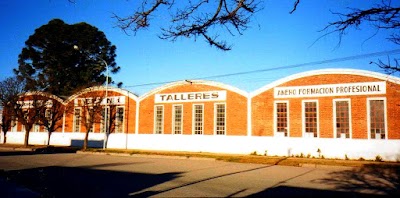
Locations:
{"points": [[90, 175]]}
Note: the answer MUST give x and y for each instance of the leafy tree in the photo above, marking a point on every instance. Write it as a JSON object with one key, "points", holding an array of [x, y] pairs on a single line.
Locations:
{"points": [[50, 63], [10, 89]]}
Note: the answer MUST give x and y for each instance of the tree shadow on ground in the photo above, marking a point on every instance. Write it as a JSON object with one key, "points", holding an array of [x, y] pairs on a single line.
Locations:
{"points": [[376, 179], [55, 181], [290, 191]]}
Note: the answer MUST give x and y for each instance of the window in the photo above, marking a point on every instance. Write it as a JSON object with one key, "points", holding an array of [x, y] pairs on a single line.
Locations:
{"points": [[198, 119], [14, 123], [158, 119], [177, 119], [105, 114], [36, 127], [310, 118], [219, 115], [282, 118], [90, 119], [119, 120], [77, 120], [376, 118], [48, 115], [341, 118]]}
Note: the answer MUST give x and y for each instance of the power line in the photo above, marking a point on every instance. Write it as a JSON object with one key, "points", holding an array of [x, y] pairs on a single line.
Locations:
{"points": [[361, 56]]}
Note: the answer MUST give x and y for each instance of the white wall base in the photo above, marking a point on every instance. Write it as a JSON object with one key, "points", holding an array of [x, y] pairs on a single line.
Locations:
{"points": [[389, 150]]}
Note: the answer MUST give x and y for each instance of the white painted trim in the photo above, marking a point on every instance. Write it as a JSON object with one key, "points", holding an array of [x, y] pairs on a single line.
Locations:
{"points": [[44, 94], [275, 117], [173, 119], [193, 118], [155, 120], [215, 118], [186, 82], [369, 116], [324, 72], [304, 117], [334, 117]]}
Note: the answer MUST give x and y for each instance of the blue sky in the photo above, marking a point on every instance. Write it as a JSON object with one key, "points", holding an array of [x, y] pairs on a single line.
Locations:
{"points": [[276, 38]]}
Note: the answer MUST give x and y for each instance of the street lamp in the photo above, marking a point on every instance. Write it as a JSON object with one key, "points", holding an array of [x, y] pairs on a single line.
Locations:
{"points": [[106, 105]]}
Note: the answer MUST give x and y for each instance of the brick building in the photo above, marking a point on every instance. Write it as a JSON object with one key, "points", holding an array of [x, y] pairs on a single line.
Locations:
{"points": [[337, 113]]}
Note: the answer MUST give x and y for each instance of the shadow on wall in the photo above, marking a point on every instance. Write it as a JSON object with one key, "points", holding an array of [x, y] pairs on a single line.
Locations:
{"points": [[91, 143], [55, 181]]}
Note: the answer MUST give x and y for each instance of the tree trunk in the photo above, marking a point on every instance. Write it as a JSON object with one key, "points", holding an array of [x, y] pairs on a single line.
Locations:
{"points": [[48, 138], [26, 141], [5, 138], [85, 141]]}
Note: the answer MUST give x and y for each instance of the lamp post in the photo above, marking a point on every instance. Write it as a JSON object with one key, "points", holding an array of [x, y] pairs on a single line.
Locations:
{"points": [[106, 105]]}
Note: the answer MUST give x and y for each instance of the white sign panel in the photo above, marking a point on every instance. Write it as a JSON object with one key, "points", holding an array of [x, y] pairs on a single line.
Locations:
{"points": [[190, 97], [347, 89], [114, 100]]}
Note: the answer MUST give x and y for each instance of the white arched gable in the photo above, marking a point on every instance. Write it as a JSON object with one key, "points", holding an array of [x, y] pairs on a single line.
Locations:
{"points": [[326, 71], [48, 95], [198, 82], [103, 88]]}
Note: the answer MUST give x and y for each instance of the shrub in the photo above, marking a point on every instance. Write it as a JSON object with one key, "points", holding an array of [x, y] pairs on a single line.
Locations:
{"points": [[253, 153], [346, 157], [378, 158], [361, 159]]}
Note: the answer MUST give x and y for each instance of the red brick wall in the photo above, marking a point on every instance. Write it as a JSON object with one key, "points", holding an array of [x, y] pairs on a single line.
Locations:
{"points": [[263, 108], [236, 111]]}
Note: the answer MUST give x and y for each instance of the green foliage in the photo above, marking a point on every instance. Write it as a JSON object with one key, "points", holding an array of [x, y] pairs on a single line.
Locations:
{"points": [[346, 157], [49, 62]]}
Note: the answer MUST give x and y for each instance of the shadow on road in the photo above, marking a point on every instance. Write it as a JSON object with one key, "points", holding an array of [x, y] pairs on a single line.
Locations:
{"points": [[289, 191], [377, 179], [40, 150], [366, 181], [55, 181]]}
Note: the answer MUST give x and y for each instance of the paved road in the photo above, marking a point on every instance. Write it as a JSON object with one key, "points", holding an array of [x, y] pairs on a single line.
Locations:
{"points": [[88, 175]]}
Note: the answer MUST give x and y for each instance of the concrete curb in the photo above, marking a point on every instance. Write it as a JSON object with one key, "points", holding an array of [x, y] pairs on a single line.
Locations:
{"points": [[147, 156], [16, 149]]}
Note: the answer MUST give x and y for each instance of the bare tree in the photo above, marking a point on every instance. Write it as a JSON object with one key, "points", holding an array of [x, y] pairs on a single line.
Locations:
{"points": [[382, 16], [52, 115], [91, 106], [192, 19], [10, 89], [28, 110]]}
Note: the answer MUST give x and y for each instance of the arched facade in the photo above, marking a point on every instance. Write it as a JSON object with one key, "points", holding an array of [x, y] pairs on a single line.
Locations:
{"points": [[194, 108], [337, 113]]}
